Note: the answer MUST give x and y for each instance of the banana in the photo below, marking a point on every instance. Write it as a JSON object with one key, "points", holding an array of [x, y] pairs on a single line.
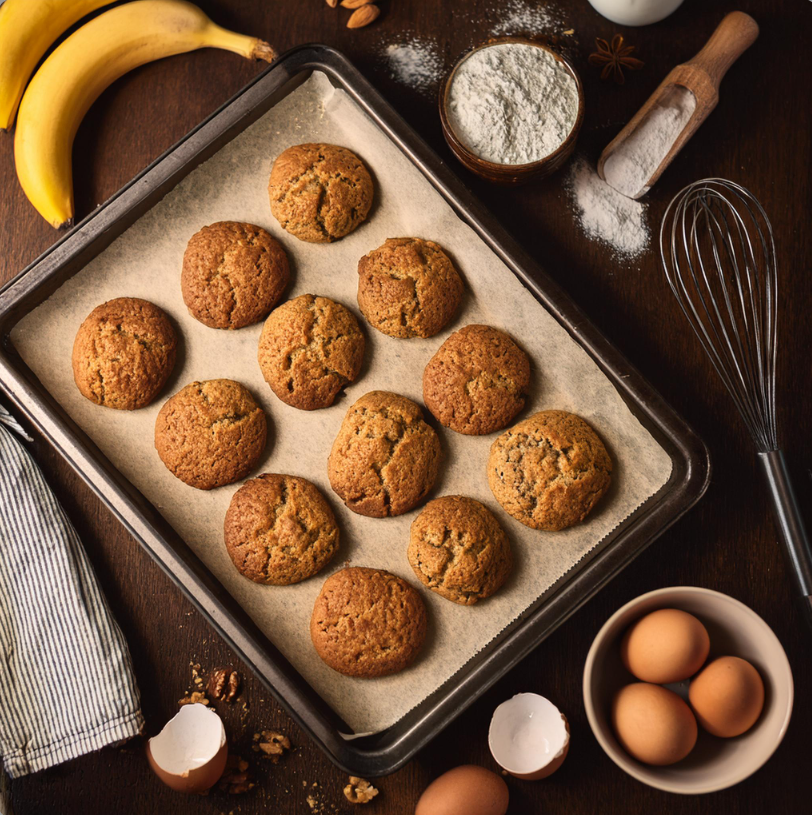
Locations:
{"points": [[89, 60], [28, 28]]}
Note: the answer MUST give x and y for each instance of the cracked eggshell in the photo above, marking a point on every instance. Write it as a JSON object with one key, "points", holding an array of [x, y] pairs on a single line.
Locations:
{"points": [[529, 736], [189, 754]]}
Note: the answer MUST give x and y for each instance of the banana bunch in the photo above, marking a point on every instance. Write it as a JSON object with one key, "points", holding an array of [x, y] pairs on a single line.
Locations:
{"points": [[79, 69]]}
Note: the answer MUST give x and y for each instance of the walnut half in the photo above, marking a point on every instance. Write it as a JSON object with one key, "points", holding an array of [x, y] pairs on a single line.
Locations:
{"points": [[224, 683], [359, 791]]}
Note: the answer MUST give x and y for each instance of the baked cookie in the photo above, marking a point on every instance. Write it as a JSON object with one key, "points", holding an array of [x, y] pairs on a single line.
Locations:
{"points": [[123, 353], [211, 433], [368, 622], [458, 549], [550, 470], [310, 348], [408, 288], [385, 457], [279, 529], [233, 274], [477, 381], [319, 192]]}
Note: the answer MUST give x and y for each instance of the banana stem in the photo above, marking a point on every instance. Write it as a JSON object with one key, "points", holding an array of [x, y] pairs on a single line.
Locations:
{"points": [[248, 47]]}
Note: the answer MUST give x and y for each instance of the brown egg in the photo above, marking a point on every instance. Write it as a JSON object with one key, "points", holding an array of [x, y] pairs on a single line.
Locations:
{"points": [[727, 696], [665, 646], [466, 790], [653, 724]]}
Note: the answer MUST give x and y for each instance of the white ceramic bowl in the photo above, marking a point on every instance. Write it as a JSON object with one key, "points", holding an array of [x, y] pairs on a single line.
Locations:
{"points": [[635, 12], [735, 630]]}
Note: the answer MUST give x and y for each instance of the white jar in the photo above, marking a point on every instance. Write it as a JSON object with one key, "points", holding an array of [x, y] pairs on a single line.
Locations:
{"points": [[635, 12]]}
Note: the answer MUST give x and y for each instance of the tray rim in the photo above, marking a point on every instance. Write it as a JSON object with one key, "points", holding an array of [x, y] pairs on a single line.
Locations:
{"points": [[392, 748]]}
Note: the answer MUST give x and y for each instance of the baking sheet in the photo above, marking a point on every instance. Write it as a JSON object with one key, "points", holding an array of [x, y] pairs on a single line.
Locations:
{"points": [[145, 262]]}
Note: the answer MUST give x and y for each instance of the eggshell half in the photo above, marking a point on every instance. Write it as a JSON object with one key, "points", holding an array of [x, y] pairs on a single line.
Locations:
{"points": [[189, 754], [529, 736], [465, 790], [727, 696]]}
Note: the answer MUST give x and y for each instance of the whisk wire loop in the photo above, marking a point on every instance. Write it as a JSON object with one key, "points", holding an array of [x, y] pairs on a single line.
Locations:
{"points": [[718, 253]]}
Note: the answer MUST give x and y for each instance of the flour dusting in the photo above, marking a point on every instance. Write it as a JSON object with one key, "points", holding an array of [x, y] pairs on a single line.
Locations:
{"points": [[606, 215], [416, 63], [521, 16]]}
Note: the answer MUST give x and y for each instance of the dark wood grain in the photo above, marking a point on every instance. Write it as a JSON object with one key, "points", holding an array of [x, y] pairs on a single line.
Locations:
{"points": [[759, 135]]}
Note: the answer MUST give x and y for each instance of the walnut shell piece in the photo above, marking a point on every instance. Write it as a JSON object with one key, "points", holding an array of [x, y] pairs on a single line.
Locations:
{"points": [[359, 791], [235, 779], [271, 744]]}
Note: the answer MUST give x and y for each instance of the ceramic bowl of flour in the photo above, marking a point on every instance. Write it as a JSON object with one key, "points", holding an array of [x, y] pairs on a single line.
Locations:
{"points": [[511, 110]]}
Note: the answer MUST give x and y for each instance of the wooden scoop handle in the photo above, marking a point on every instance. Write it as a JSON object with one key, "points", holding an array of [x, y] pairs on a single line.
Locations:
{"points": [[733, 36]]}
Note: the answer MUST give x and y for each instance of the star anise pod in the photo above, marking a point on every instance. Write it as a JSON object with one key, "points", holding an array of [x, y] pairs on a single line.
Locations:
{"points": [[614, 58]]}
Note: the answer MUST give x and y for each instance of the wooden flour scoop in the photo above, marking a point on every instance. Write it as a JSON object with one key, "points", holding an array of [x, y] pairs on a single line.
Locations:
{"points": [[700, 75]]}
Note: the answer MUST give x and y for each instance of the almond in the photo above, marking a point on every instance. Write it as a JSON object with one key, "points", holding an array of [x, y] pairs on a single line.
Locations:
{"points": [[363, 15], [355, 3], [332, 3]]}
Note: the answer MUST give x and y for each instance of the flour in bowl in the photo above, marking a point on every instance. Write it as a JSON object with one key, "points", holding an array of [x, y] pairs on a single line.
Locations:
{"points": [[512, 103]]}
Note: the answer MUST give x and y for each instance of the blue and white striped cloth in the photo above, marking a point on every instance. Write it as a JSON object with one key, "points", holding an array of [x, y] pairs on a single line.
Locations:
{"points": [[66, 678]]}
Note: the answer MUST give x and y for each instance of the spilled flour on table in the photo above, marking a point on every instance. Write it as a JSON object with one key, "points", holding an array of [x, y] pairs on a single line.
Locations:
{"points": [[606, 215], [416, 63], [521, 16]]}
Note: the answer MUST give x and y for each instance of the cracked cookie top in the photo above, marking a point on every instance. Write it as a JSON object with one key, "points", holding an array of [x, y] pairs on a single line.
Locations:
{"points": [[550, 470], [123, 353], [477, 381], [310, 348], [408, 287], [385, 457], [211, 433], [233, 274], [458, 549], [368, 622], [319, 192], [279, 529]]}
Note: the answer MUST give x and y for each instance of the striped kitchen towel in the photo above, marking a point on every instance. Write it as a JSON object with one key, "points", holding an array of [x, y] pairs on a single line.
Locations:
{"points": [[66, 679]]}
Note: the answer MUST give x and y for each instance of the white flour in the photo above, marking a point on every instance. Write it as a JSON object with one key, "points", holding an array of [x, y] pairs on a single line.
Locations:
{"points": [[512, 104], [606, 215], [631, 166], [415, 63]]}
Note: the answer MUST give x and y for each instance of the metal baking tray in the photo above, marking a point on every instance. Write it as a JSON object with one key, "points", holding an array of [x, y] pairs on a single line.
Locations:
{"points": [[388, 750]]}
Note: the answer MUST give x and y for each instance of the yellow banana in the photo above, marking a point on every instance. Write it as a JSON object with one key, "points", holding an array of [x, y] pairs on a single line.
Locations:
{"points": [[74, 75], [28, 28]]}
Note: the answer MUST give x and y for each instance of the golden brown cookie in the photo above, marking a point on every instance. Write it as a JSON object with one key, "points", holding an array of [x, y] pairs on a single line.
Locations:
{"points": [[477, 381], [211, 433], [123, 353], [408, 288], [310, 348], [319, 192], [550, 470], [233, 274], [385, 457], [368, 622], [458, 549], [279, 529]]}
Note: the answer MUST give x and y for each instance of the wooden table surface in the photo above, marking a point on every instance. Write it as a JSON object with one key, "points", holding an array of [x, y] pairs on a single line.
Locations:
{"points": [[759, 136]]}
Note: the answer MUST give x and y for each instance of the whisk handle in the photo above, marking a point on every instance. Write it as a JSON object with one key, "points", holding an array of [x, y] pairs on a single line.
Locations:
{"points": [[790, 522]]}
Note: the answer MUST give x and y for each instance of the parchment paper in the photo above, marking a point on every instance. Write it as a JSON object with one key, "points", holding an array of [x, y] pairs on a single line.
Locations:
{"points": [[145, 262]]}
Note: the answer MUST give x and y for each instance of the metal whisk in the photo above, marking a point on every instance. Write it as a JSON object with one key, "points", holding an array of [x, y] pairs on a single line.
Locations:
{"points": [[718, 253]]}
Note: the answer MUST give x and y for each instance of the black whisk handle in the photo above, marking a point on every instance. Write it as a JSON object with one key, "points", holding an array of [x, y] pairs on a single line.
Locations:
{"points": [[790, 523]]}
